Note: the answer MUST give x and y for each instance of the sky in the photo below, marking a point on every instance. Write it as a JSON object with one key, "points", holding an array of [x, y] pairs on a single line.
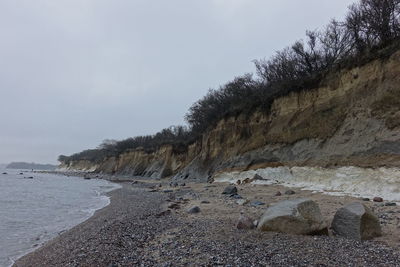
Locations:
{"points": [[76, 72]]}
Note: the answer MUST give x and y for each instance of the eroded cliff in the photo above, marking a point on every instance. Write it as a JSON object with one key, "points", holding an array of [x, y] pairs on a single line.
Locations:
{"points": [[353, 118]]}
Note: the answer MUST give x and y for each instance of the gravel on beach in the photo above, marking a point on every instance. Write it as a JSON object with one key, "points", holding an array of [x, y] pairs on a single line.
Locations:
{"points": [[137, 229]]}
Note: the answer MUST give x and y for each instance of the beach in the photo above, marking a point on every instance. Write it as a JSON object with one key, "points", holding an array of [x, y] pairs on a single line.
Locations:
{"points": [[147, 224]]}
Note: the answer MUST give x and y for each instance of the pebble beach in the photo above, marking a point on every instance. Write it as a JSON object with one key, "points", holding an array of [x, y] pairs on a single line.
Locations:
{"points": [[148, 224]]}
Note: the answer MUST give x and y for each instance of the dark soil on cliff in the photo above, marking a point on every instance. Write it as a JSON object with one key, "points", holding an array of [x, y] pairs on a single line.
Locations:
{"points": [[137, 229]]}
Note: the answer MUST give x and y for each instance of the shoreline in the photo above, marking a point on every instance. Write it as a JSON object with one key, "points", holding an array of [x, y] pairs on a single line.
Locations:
{"points": [[103, 197], [137, 228]]}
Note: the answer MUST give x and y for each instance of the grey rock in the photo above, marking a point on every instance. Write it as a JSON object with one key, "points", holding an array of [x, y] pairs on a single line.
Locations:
{"points": [[245, 222], [230, 190], [205, 202], [168, 191], [257, 203], [298, 216], [290, 192], [173, 184], [236, 196], [356, 221], [242, 202], [278, 194], [193, 210], [163, 213], [174, 206], [257, 177], [390, 204], [366, 199]]}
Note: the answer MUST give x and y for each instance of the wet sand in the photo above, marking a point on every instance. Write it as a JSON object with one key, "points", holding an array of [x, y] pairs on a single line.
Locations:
{"points": [[138, 229]]}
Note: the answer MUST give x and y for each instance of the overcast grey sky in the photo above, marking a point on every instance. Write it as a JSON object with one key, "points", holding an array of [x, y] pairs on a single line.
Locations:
{"points": [[75, 72]]}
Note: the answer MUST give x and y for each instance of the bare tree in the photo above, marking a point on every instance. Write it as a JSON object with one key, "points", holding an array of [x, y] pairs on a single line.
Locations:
{"points": [[335, 43]]}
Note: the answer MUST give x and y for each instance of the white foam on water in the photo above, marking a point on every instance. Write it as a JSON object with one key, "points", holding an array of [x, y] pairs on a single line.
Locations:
{"points": [[353, 181]]}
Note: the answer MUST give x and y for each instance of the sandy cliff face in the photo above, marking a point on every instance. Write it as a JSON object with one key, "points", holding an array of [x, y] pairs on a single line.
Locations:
{"points": [[353, 119]]}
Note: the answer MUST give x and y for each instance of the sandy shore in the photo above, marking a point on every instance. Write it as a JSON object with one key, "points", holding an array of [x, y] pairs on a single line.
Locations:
{"points": [[138, 229]]}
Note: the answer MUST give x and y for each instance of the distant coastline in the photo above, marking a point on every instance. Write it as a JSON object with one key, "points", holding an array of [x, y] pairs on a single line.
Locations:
{"points": [[29, 166]]}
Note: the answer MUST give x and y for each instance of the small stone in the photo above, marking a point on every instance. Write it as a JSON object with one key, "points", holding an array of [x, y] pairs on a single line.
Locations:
{"points": [[238, 182], [174, 206], [257, 203], [242, 202], [366, 199], [290, 192], [230, 190], [245, 222], [164, 213], [153, 190], [193, 210], [247, 181], [378, 199], [390, 204], [173, 184], [236, 196], [205, 202], [168, 191], [278, 194], [257, 177]]}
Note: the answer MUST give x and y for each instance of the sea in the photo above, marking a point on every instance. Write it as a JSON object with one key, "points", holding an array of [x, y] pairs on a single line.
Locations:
{"points": [[35, 210]]}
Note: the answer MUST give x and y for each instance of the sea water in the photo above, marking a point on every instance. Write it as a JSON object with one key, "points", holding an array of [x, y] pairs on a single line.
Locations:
{"points": [[353, 181], [33, 211]]}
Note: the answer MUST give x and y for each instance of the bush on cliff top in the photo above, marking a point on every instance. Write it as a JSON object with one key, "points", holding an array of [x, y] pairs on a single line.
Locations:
{"points": [[370, 30]]}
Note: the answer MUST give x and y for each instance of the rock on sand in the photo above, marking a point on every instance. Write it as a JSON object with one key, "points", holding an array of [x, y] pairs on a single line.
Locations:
{"points": [[193, 210], [356, 221], [230, 190], [245, 222], [298, 216]]}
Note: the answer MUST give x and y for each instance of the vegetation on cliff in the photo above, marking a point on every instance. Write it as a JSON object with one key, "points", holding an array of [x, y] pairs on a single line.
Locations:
{"points": [[370, 30]]}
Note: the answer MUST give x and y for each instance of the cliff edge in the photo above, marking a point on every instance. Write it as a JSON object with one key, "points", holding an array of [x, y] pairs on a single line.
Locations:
{"points": [[351, 119]]}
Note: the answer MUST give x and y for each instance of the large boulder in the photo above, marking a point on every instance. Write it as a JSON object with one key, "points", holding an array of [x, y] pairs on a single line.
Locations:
{"points": [[298, 216], [356, 221]]}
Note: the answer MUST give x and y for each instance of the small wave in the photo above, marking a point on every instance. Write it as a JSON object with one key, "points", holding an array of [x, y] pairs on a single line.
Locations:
{"points": [[62, 206]]}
